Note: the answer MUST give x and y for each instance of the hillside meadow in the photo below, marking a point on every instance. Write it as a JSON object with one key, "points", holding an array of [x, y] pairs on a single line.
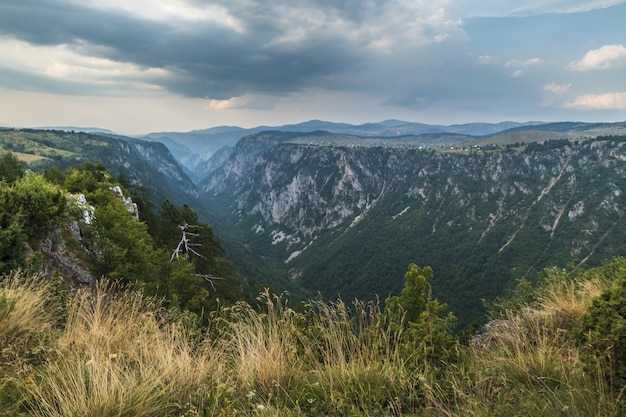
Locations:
{"points": [[109, 350]]}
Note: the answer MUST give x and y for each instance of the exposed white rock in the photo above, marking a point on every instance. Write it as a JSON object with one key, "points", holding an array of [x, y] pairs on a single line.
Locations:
{"points": [[395, 216]]}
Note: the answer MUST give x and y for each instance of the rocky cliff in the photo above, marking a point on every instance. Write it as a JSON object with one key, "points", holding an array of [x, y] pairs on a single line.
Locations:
{"points": [[349, 219]]}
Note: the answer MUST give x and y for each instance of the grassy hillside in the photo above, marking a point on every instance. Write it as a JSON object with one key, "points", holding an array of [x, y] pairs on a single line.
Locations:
{"points": [[110, 351], [54, 145]]}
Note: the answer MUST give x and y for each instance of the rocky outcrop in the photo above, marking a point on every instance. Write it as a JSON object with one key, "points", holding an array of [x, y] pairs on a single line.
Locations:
{"points": [[298, 192], [60, 261], [73, 264]]}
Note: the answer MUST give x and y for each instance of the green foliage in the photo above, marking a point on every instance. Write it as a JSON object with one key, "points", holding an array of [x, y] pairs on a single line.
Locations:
{"points": [[603, 328], [523, 295], [91, 179], [414, 296], [41, 203], [427, 340], [12, 244], [10, 167], [122, 246], [432, 337]]}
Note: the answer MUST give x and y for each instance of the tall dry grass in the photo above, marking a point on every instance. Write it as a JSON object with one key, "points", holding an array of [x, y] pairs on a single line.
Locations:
{"points": [[118, 357], [26, 306], [564, 301], [355, 358], [118, 353], [528, 364], [29, 312], [263, 347], [330, 360]]}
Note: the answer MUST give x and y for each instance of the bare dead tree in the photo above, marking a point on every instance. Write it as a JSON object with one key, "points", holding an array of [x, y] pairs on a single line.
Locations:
{"points": [[186, 247], [209, 278]]}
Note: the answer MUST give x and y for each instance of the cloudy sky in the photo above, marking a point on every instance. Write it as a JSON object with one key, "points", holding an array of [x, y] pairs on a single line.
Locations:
{"points": [[138, 66]]}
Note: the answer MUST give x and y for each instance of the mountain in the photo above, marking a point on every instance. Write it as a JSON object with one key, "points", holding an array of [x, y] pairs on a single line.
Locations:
{"points": [[143, 163], [95, 130], [206, 142], [348, 219], [341, 214]]}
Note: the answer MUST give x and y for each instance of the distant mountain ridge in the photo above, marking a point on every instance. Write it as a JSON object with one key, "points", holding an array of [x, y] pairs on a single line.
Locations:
{"points": [[193, 148], [207, 141]]}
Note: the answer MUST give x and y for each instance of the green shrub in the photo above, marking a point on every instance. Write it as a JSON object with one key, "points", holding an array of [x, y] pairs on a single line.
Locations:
{"points": [[427, 340], [604, 327], [40, 202], [10, 168]]}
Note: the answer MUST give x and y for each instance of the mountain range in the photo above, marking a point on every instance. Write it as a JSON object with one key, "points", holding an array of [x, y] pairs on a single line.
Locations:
{"points": [[194, 148], [305, 209], [208, 141]]}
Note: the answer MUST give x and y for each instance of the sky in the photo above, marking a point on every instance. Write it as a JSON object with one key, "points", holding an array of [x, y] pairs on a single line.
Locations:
{"points": [[139, 66]]}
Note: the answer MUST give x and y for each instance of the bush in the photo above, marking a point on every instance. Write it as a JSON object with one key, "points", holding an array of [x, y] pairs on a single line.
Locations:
{"points": [[604, 327], [10, 168], [39, 201]]}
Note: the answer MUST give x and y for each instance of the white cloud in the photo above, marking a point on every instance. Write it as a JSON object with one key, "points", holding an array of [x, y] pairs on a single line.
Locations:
{"points": [[170, 11], [517, 63], [522, 63], [607, 101], [557, 88], [61, 63], [564, 6], [231, 103], [499, 8], [533, 61], [399, 23], [608, 56], [485, 59]]}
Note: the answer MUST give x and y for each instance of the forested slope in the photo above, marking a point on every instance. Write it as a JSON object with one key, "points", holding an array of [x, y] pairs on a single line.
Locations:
{"points": [[343, 220]]}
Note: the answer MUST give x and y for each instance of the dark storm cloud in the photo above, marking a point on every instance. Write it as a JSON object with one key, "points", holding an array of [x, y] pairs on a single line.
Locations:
{"points": [[207, 59]]}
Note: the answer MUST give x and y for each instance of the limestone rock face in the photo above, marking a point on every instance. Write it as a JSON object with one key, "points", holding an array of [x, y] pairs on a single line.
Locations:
{"points": [[59, 260], [344, 218], [294, 193]]}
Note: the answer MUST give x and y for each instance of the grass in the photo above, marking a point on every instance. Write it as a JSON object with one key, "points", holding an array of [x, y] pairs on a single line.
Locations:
{"points": [[110, 351], [114, 356], [528, 362], [25, 307], [564, 301]]}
